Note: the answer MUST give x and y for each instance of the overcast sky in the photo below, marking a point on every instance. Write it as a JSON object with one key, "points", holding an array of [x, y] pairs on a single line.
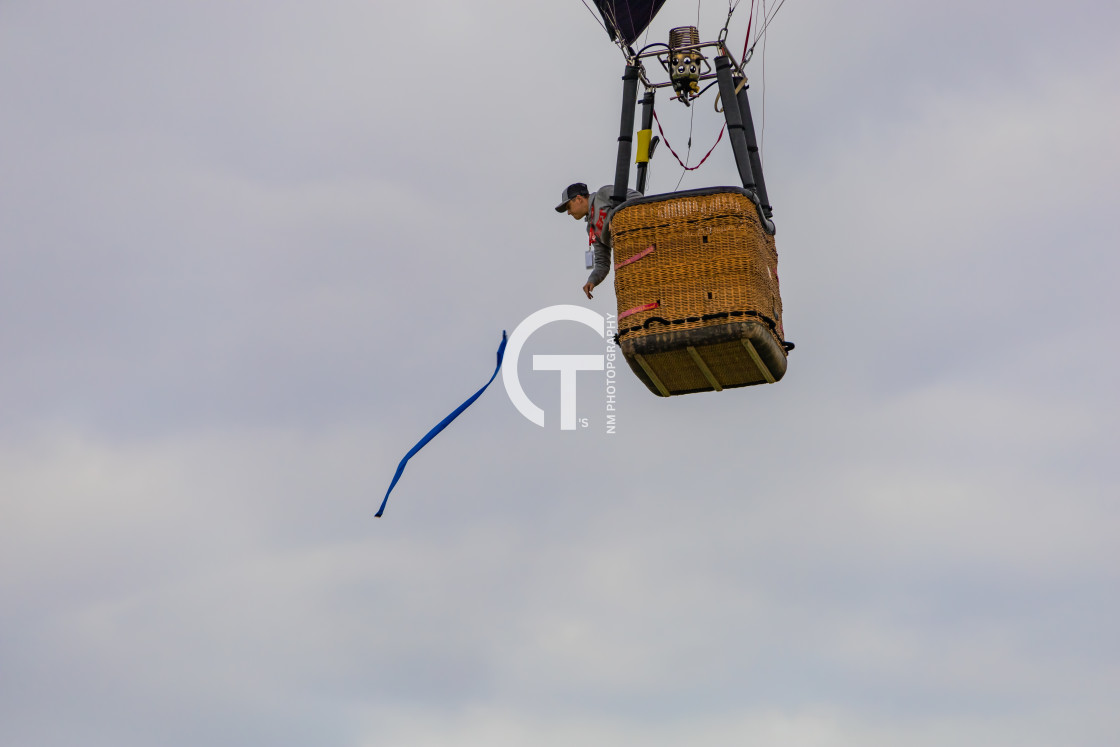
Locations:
{"points": [[251, 251]]}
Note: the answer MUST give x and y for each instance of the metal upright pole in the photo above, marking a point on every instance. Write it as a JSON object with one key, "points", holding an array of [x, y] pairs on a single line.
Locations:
{"points": [[626, 134], [735, 130], [644, 140], [752, 148]]}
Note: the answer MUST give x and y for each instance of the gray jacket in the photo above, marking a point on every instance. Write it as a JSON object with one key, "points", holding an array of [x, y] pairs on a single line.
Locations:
{"points": [[599, 230]]}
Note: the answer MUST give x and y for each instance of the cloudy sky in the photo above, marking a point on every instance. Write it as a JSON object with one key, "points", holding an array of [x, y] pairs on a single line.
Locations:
{"points": [[251, 251]]}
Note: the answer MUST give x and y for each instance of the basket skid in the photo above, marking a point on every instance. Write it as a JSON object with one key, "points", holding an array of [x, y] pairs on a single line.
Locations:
{"points": [[708, 359]]}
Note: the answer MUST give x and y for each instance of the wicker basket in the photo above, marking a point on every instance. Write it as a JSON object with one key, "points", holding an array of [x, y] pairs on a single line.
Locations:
{"points": [[696, 275]]}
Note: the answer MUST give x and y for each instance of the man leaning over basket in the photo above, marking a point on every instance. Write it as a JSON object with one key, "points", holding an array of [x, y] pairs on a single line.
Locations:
{"points": [[596, 210]]}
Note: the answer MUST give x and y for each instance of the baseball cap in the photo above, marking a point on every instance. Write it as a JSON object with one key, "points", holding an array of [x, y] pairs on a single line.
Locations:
{"points": [[573, 190]]}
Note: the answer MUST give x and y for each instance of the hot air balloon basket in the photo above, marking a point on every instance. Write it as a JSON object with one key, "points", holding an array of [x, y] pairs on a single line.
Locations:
{"points": [[696, 276]]}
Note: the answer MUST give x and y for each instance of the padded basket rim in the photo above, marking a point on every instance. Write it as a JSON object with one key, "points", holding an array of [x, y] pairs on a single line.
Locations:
{"points": [[767, 224]]}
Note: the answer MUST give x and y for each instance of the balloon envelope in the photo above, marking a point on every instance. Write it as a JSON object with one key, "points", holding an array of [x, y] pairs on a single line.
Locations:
{"points": [[627, 19]]}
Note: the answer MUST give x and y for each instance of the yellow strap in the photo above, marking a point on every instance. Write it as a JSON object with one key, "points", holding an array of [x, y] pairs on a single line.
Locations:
{"points": [[644, 137]]}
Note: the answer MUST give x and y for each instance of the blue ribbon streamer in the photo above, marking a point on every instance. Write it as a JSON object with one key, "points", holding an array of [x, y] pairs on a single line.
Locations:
{"points": [[442, 424]]}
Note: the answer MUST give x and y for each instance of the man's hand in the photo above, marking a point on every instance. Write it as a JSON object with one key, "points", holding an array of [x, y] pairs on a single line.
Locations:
{"points": [[588, 288]]}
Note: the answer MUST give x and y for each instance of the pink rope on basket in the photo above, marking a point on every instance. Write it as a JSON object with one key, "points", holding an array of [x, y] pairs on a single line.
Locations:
{"points": [[636, 309]]}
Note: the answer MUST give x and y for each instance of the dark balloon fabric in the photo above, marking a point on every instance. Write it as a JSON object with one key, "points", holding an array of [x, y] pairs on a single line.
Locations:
{"points": [[627, 20]]}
